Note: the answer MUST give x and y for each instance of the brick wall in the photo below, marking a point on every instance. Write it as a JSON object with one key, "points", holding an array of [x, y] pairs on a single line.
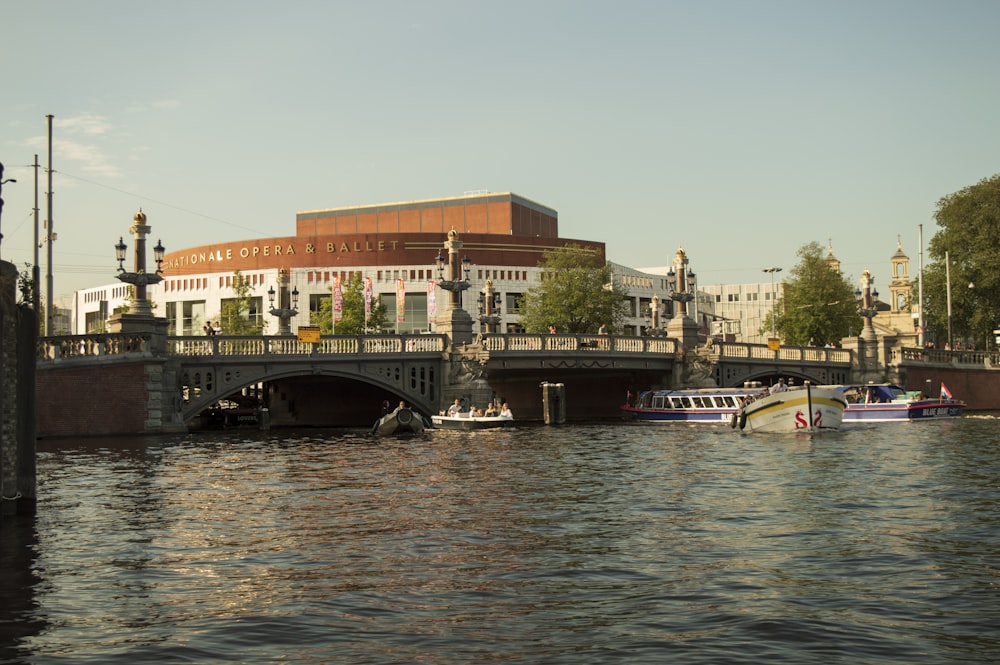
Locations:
{"points": [[91, 400]]}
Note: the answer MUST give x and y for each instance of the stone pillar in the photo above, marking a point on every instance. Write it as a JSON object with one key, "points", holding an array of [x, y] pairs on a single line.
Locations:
{"points": [[18, 335]]}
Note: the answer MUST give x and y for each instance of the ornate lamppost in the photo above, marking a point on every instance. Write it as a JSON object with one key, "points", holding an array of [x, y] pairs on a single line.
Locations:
{"points": [[139, 278], [653, 317], [681, 290], [865, 297], [287, 308], [774, 302], [454, 321], [489, 304]]}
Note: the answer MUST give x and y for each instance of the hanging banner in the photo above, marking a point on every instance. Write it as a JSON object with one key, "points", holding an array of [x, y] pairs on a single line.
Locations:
{"points": [[400, 301], [431, 301], [368, 299], [338, 300]]}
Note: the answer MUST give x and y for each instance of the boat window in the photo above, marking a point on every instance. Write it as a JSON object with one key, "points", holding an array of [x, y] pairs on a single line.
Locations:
{"points": [[658, 402], [702, 402], [686, 402]]}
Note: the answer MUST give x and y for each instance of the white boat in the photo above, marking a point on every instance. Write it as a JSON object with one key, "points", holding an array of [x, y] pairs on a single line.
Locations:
{"points": [[799, 409], [465, 422]]}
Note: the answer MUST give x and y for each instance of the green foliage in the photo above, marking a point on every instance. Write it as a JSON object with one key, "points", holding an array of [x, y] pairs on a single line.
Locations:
{"points": [[817, 303], [577, 294], [26, 286], [969, 232], [352, 321], [235, 315]]}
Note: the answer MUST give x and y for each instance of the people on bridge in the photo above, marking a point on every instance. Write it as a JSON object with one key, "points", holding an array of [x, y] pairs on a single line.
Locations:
{"points": [[603, 330]]}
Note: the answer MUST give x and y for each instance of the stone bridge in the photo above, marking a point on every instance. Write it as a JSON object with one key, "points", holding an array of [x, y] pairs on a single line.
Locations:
{"points": [[338, 375]]}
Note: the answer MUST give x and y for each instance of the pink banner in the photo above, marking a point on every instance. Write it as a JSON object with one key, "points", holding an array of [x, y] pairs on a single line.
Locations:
{"points": [[368, 299], [338, 300], [431, 301], [400, 301]]}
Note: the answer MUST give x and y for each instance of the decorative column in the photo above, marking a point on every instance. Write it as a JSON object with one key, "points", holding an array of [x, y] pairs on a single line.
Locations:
{"points": [[139, 316], [681, 290], [489, 304], [454, 321], [287, 303]]}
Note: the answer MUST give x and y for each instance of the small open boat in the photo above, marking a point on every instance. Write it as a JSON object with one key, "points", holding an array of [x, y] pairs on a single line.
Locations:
{"points": [[798, 409], [465, 422], [401, 422]]}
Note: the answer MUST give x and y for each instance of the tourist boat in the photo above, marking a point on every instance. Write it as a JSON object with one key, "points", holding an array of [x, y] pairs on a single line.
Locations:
{"points": [[465, 422], [401, 422], [712, 406], [885, 402], [798, 409]]}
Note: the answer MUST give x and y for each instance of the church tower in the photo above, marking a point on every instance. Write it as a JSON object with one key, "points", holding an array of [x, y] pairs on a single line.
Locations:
{"points": [[900, 288], [832, 260]]}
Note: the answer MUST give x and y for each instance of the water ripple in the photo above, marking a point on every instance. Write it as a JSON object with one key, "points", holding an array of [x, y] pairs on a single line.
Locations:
{"points": [[596, 544]]}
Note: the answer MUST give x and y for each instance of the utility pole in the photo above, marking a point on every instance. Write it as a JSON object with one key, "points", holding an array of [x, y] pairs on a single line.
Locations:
{"points": [[36, 278], [49, 237]]}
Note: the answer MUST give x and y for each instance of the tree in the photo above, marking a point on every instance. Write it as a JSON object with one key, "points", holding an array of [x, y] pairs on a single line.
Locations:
{"points": [[26, 286], [576, 295], [969, 233], [817, 303], [352, 317], [236, 316]]}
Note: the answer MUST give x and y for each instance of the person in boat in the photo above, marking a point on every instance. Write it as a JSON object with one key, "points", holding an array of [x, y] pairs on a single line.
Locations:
{"points": [[474, 412], [491, 411], [402, 405], [780, 386], [505, 411], [455, 409], [385, 407]]}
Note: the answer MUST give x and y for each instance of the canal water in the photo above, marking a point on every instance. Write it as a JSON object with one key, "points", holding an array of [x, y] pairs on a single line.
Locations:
{"points": [[602, 543]]}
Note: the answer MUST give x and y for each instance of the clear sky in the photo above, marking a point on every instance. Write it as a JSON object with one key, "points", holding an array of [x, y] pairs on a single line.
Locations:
{"points": [[738, 130]]}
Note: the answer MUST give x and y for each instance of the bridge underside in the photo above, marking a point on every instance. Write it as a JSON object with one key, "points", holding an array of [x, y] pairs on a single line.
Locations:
{"points": [[316, 394], [595, 387], [733, 374]]}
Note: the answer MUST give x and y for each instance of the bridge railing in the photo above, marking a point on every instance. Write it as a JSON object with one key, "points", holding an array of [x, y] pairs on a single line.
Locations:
{"points": [[941, 357], [789, 353], [528, 342], [62, 347], [287, 345]]}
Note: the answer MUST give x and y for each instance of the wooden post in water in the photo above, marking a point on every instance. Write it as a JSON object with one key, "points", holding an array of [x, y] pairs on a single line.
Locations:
{"points": [[554, 403]]}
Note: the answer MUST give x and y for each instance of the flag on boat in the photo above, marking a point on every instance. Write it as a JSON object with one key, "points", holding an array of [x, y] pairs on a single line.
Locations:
{"points": [[945, 393]]}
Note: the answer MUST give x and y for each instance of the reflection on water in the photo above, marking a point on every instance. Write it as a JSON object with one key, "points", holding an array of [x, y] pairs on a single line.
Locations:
{"points": [[602, 543]]}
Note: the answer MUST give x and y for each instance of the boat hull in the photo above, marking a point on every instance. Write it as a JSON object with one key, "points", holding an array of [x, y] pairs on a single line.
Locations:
{"points": [[798, 410], [886, 402], [882, 413], [694, 406], [467, 424], [402, 422]]}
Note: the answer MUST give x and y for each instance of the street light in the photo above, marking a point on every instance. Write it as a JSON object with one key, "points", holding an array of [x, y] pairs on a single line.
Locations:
{"points": [[489, 303], [139, 278], [865, 298], [455, 284], [285, 309], [774, 301], [653, 317]]}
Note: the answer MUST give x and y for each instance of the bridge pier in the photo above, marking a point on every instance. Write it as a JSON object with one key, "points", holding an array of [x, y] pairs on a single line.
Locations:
{"points": [[18, 332]]}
